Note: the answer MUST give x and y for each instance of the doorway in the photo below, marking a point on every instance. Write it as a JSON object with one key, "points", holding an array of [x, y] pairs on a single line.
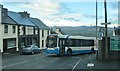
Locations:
{"points": [[62, 46], [5, 45]]}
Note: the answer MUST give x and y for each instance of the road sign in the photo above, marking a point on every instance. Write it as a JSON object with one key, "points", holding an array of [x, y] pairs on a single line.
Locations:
{"points": [[100, 35], [114, 43]]}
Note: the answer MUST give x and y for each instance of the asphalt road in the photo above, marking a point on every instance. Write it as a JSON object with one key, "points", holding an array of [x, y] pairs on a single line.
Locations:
{"points": [[43, 61]]}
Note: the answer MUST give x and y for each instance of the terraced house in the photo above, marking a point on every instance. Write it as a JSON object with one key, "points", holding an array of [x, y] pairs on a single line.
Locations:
{"points": [[19, 29]]}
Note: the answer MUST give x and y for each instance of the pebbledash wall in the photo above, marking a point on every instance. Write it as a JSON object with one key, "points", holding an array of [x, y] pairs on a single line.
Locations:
{"points": [[19, 29]]}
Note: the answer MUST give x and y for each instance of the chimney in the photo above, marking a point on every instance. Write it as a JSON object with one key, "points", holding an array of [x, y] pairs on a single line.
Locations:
{"points": [[3, 12], [1, 6], [24, 14]]}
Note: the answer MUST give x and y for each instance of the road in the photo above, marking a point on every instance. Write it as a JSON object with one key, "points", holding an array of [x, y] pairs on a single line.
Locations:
{"points": [[41, 61]]}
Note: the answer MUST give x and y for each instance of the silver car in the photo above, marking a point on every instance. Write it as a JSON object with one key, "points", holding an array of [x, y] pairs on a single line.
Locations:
{"points": [[31, 49]]}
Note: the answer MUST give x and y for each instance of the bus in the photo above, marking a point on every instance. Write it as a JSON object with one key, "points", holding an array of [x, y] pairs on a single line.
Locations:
{"points": [[68, 45]]}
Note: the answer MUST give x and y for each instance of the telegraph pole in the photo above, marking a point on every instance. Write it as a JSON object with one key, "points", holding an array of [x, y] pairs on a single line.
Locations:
{"points": [[106, 33], [96, 22], [106, 30], [96, 31]]}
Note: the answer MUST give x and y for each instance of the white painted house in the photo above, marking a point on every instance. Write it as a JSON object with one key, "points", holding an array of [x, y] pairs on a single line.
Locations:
{"points": [[19, 29]]}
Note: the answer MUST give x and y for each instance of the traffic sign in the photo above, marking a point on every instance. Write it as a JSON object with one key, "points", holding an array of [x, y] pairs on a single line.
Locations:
{"points": [[114, 43], [100, 35]]}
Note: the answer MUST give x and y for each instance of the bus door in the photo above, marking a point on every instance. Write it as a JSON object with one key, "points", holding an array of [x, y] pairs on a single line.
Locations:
{"points": [[62, 46]]}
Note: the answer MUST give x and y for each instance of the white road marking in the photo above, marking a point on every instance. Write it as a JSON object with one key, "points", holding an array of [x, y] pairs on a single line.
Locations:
{"points": [[76, 65], [20, 62], [90, 65], [15, 64]]}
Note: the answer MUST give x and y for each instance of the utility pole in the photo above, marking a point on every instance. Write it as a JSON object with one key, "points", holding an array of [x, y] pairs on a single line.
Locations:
{"points": [[96, 22], [106, 33], [96, 31], [106, 30]]}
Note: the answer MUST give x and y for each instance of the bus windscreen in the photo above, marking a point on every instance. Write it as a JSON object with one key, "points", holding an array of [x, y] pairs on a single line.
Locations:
{"points": [[51, 41]]}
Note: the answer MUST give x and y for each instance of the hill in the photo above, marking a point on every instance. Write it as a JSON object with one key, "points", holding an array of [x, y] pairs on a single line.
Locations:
{"points": [[89, 31]]}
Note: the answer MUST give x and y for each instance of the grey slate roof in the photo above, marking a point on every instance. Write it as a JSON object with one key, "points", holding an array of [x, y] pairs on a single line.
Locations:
{"points": [[7, 20], [39, 23], [20, 19]]}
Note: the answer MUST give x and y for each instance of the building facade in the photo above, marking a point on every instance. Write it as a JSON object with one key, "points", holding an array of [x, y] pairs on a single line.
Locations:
{"points": [[8, 35], [19, 29]]}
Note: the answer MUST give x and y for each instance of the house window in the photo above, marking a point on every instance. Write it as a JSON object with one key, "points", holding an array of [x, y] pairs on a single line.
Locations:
{"points": [[34, 30], [23, 41], [42, 33], [5, 28], [11, 43], [24, 31], [48, 32], [13, 29], [42, 43]]}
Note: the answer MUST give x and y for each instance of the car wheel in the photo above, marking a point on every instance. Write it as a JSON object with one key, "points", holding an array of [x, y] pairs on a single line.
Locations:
{"points": [[33, 52], [23, 53]]}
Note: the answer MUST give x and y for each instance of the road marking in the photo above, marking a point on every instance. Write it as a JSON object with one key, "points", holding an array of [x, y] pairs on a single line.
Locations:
{"points": [[15, 64], [21, 62], [76, 65], [90, 65]]}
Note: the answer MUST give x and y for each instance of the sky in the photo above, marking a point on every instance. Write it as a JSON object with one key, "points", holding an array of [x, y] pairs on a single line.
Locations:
{"points": [[66, 12]]}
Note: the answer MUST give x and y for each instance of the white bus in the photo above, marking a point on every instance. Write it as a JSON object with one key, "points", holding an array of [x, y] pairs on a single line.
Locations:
{"points": [[68, 45]]}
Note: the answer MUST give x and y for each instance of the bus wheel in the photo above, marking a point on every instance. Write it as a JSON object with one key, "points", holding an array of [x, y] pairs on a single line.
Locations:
{"points": [[92, 50], [69, 52]]}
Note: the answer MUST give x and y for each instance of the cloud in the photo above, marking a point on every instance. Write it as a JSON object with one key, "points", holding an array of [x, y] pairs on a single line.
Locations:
{"points": [[44, 8], [59, 0], [92, 16], [114, 5], [63, 22], [73, 17], [64, 8]]}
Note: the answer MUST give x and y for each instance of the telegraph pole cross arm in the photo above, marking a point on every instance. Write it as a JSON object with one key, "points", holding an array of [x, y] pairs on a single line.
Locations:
{"points": [[105, 23]]}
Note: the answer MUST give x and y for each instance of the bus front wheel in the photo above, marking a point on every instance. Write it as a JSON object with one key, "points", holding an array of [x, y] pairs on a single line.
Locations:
{"points": [[69, 52]]}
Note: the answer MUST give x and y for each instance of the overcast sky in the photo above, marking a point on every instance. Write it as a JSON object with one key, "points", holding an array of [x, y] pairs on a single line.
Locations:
{"points": [[66, 13]]}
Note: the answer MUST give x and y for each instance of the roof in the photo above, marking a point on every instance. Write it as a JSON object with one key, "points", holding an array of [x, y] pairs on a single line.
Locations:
{"points": [[20, 19], [81, 37], [7, 19], [39, 23]]}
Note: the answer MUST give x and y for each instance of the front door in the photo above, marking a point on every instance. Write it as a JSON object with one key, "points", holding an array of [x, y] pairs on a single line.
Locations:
{"points": [[62, 46], [4, 45]]}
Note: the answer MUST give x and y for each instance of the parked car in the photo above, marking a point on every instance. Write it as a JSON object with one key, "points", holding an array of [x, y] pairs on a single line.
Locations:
{"points": [[30, 49]]}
